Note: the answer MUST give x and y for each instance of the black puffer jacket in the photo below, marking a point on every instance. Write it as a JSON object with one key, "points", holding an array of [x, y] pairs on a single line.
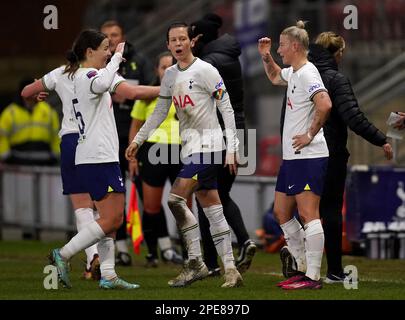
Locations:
{"points": [[223, 53], [345, 109]]}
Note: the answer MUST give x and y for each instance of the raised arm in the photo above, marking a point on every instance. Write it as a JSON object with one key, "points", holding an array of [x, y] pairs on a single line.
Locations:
{"points": [[272, 69], [103, 80]]}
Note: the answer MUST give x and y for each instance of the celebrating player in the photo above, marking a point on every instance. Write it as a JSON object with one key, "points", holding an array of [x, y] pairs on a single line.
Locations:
{"points": [[305, 153], [196, 88], [97, 150]]}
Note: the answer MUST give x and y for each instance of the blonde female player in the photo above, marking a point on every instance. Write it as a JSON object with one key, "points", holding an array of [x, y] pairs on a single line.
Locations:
{"points": [[305, 153], [196, 88], [97, 151]]}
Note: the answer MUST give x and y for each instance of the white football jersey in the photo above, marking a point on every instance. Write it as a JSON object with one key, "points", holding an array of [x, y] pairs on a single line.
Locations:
{"points": [[98, 142], [191, 91], [303, 84], [59, 82]]}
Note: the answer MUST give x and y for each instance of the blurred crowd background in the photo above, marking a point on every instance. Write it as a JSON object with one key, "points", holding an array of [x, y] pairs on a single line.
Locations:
{"points": [[373, 60]]}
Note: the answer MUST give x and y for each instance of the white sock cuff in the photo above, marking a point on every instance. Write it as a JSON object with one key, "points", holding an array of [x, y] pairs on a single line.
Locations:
{"points": [[290, 227], [213, 210], [313, 227], [175, 198], [83, 217]]}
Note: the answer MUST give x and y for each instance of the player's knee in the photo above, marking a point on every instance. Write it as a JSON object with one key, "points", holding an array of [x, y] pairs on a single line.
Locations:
{"points": [[152, 208], [177, 205], [117, 220]]}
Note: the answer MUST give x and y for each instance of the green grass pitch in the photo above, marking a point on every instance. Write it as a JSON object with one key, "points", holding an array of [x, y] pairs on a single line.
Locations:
{"points": [[22, 264]]}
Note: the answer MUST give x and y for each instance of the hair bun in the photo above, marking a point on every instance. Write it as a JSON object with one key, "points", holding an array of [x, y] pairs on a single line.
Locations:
{"points": [[300, 24], [71, 56]]}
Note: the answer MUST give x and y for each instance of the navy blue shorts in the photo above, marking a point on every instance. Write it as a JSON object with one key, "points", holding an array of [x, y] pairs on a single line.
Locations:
{"points": [[101, 178], [296, 176], [202, 167], [70, 178]]}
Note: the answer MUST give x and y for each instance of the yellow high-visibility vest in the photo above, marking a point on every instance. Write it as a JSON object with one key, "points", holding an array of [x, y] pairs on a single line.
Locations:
{"points": [[29, 134]]}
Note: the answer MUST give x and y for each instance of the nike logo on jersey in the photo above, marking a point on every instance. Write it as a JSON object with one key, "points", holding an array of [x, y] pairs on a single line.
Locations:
{"points": [[290, 187], [182, 102]]}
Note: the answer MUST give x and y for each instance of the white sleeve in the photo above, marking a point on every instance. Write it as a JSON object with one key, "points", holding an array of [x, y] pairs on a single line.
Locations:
{"points": [[284, 74], [312, 82], [216, 87], [225, 107], [49, 80], [103, 79], [213, 80], [117, 80], [154, 121], [166, 90]]}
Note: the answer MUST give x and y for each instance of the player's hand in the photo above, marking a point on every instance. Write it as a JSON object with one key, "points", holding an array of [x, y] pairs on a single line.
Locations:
{"points": [[300, 141], [120, 48], [131, 151], [42, 96], [400, 124], [232, 161], [388, 151], [133, 169], [264, 46]]}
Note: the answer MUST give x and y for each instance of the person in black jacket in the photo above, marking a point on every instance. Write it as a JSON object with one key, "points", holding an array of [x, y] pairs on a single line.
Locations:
{"points": [[223, 53], [136, 70], [325, 54]]}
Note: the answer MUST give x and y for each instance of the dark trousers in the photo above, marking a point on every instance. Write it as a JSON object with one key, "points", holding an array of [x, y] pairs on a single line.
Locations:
{"points": [[122, 231], [330, 210], [232, 215]]}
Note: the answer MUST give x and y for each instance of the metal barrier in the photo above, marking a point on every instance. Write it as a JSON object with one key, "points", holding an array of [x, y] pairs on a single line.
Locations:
{"points": [[31, 199]]}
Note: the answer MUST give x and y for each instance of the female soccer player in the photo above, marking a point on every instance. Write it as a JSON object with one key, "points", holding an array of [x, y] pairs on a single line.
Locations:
{"points": [[166, 142], [57, 80], [97, 150], [196, 88], [305, 153]]}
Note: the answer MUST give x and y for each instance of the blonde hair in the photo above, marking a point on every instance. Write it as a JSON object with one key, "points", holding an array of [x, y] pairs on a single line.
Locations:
{"points": [[298, 33], [330, 41]]}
